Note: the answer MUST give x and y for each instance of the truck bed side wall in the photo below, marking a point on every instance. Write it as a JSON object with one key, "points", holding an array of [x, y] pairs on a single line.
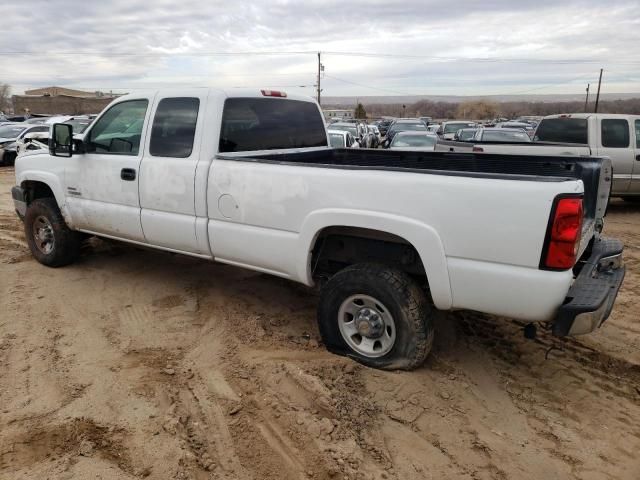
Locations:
{"points": [[266, 216]]}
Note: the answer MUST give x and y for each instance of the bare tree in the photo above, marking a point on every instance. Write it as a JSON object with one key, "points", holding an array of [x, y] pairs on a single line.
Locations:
{"points": [[5, 97], [487, 109], [477, 110]]}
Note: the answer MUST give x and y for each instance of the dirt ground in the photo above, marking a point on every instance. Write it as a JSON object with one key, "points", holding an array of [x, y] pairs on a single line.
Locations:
{"points": [[134, 363]]}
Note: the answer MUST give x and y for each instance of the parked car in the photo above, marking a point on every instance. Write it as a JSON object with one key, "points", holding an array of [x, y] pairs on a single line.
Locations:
{"points": [[10, 134], [504, 135], [364, 137], [390, 236], [383, 126], [465, 134], [527, 127], [36, 120], [616, 136], [342, 139], [433, 128], [32, 141], [416, 141], [448, 130], [353, 129], [376, 136], [79, 123], [402, 125], [367, 137], [426, 120]]}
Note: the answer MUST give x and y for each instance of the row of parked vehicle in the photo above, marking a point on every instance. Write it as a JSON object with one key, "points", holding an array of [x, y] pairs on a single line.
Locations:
{"points": [[19, 134], [423, 134]]}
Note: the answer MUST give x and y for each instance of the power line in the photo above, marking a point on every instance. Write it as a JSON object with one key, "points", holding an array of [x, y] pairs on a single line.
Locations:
{"points": [[480, 59], [564, 82], [153, 54]]}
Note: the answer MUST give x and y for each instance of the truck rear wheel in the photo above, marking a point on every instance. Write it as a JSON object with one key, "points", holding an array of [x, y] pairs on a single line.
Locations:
{"points": [[50, 240], [377, 316]]}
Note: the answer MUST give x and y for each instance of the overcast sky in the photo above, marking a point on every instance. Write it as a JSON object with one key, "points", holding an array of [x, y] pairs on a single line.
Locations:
{"points": [[369, 47]]}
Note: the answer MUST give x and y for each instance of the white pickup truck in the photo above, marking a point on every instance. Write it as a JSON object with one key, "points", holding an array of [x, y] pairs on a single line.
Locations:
{"points": [[615, 136], [248, 179]]}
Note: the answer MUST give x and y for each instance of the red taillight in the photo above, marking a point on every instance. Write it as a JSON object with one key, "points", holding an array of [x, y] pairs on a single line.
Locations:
{"points": [[563, 237], [273, 93], [477, 149]]}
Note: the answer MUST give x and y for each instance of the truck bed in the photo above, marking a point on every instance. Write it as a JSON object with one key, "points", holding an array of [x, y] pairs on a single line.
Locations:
{"points": [[512, 167]]}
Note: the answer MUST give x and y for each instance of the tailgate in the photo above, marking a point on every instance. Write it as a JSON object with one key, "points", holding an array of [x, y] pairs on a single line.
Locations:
{"points": [[597, 178]]}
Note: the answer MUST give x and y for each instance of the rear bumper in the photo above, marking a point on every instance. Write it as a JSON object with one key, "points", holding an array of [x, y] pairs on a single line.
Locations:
{"points": [[594, 291]]}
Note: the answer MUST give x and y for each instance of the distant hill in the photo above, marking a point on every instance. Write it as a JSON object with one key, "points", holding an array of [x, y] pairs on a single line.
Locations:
{"points": [[395, 99]]}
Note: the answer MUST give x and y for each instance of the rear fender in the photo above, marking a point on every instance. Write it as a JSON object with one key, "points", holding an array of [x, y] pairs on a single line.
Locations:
{"points": [[423, 237]]}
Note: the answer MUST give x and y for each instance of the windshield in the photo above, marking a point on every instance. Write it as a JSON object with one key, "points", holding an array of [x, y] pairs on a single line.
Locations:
{"points": [[337, 140], [466, 134], [504, 136], [11, 131], [454, 127], [563, 130], [413, 141]]}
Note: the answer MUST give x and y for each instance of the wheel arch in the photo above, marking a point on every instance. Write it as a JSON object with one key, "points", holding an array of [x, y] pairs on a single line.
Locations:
{"points": [[42, 184], [423, 238]]}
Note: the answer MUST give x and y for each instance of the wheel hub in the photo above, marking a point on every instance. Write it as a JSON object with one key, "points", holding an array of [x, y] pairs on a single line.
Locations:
{"points": [[369, 323], [43, 235], [366, 325]]}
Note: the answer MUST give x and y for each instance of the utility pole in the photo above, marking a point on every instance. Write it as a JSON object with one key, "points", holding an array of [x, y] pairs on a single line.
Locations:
{"points": [[598, 94], [318, 84], [586, 100]]}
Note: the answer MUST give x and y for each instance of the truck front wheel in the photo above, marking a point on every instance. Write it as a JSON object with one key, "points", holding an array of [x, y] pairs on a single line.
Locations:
{"points": [[50, 240], [376, 315]]}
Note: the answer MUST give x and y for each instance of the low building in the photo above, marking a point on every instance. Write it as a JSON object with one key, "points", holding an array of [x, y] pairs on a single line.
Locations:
{"points": [[336, 113], [61, 101]]}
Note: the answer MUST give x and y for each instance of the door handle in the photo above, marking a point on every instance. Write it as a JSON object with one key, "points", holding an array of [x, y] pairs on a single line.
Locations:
{"points": [[128, 174]]}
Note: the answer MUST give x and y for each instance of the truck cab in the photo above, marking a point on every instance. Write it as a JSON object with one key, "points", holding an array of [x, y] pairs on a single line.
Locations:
{"points": [[608, 135]]}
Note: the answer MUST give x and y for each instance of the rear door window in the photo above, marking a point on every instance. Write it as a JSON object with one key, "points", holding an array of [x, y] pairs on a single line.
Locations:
{"points": [[637, 133], [250, 124], [563, 130], [174, 127], [615, 133]]}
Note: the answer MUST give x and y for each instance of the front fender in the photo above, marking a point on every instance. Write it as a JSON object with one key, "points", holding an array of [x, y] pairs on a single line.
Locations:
{"points": [[49, 179], [423, 237]]}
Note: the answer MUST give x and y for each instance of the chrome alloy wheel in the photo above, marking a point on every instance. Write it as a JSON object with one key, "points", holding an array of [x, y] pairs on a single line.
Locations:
{"points": [[367, 325], [43, 235]]}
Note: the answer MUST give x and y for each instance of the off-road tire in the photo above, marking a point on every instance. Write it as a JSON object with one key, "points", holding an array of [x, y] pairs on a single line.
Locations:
{"points": [[66, 244], [407, 302]]}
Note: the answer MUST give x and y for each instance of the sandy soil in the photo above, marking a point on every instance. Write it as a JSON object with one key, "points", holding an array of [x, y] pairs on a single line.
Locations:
{"points": [[135, 363]]}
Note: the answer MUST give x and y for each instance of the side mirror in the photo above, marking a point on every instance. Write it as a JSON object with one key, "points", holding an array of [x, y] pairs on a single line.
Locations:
{"points": [[61, 141]]}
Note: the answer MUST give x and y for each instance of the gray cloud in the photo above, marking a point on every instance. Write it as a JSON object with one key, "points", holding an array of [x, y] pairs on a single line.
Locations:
{"points": [[168, 42]]}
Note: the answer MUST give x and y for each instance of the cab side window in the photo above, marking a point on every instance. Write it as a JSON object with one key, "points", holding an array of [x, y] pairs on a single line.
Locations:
{"points": [[174, 127], [615, 133], [119, 130], [637, 133]]}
